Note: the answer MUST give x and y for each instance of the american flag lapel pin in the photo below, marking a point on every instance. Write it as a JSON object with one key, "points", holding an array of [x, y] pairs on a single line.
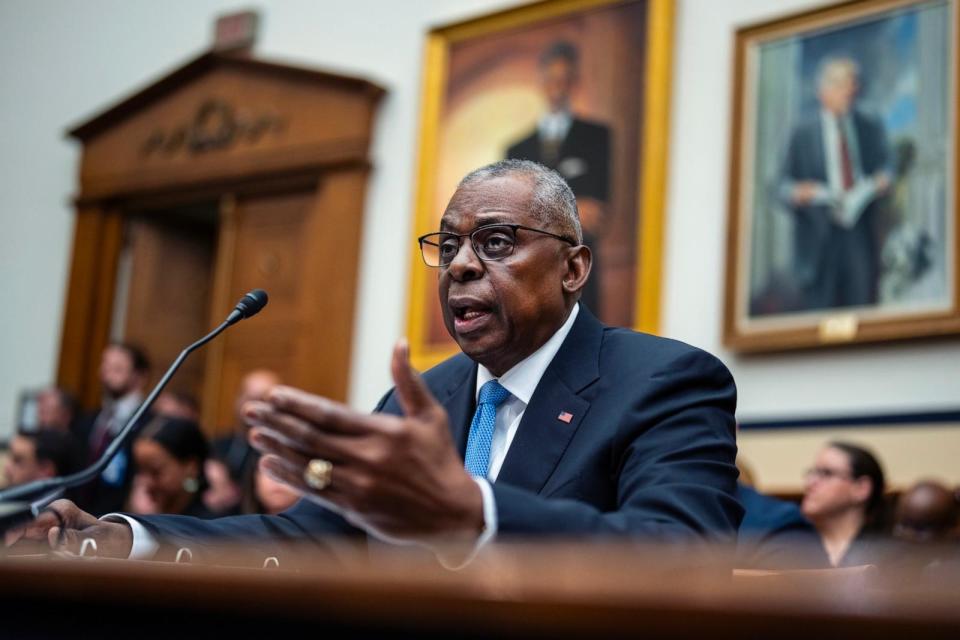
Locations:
{"points": [[565, 416]]}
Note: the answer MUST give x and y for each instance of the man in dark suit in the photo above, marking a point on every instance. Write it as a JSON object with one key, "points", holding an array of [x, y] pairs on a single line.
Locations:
{"points": [[576, 148], [124, 369], [836, 254], [548, 423]]}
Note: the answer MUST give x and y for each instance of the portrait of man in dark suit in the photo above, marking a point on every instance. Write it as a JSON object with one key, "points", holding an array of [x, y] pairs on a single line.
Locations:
{"points": [[835, 176], [576, 147]]}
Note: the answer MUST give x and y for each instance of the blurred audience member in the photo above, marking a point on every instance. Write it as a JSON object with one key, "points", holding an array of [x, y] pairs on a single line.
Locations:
{"points": [[56, 410], [177, 404], [240, 459], [775, 535], [268, 495], [843, 498], [124, 369], [170, 453], [41, 454], [927, 512]]}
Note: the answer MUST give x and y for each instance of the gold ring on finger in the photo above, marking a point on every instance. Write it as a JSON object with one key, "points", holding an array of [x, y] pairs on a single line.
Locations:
{"points": [[317, 474]]}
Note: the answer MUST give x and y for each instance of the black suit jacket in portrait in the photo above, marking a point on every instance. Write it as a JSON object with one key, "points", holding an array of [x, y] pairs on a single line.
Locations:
{"points": [[583, 158], [648, 453], [823, 251]]}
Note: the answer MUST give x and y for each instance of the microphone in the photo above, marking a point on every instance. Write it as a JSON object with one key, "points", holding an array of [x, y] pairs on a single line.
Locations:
{"points": [[23, 503], [249, 306]]}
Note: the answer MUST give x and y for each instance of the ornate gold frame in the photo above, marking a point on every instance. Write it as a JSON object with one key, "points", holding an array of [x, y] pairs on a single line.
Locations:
{"points": [[653, 160]]}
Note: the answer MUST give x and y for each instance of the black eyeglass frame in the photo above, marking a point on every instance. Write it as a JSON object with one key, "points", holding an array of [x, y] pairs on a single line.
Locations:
{"points": [[459, 236]]}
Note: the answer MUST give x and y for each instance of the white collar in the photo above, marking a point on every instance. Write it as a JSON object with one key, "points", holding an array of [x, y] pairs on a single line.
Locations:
{"points": [[124, 407], [522, 378]]}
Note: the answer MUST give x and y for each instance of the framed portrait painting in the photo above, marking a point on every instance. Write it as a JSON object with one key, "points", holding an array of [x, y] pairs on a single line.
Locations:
{"points": [[843, 212], [581, 86]]}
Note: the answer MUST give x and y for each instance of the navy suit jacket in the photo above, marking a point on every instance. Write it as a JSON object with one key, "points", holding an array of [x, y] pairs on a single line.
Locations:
{"points": [[774, 534], [648, 453]]}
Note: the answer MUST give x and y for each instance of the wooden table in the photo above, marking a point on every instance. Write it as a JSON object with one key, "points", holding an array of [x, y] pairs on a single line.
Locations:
{"points": [[555, 591]]}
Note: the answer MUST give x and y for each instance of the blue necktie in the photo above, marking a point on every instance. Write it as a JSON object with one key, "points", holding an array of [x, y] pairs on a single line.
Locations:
{"points": [[477, 460]]}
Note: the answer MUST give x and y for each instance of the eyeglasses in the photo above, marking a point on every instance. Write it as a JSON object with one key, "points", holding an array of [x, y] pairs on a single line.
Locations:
{"points": [[491, 242], [825, 473]]}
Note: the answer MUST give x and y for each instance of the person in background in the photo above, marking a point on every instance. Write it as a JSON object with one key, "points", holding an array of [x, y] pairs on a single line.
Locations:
{"points": [[124, 369], [170, 454], [231, 468], [928, 512], [774, 534], [843, 498], [56, 410], [177, 404], [41, 454]]}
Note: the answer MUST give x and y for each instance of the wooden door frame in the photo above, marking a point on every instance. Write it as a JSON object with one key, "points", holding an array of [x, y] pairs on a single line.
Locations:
{"points": [[97, 245]]}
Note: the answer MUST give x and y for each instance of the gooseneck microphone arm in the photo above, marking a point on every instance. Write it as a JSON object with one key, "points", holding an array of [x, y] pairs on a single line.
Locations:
{"points": [[42, 492]]}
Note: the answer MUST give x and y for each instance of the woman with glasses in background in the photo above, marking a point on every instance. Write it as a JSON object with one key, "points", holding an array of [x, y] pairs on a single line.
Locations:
{"points": [[843, 498]]}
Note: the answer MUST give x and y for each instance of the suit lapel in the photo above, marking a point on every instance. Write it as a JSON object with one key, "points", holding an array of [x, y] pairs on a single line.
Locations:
{"points": [[544, 433]]}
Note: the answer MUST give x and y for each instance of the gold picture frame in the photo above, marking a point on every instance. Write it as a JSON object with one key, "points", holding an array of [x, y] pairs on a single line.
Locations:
{"points": [[838, 238], [646, 182]]}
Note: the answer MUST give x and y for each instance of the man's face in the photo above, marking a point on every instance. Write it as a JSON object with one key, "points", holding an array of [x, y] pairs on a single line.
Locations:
{"points": [[558, 78], [501, 312], [117, 374], [22, 465], [839, 91], [254, 386], [51, 412]]}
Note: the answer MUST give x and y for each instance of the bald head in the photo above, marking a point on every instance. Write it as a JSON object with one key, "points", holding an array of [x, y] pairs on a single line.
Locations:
{"points": [[928, 511], [254, 386]]}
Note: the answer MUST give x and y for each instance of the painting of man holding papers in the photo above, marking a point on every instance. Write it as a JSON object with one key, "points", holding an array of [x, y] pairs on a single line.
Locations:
{"points": [[835, 179], [843, 195]]}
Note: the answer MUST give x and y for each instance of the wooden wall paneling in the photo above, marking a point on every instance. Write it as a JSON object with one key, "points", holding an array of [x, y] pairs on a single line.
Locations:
{"points": [[330, 276], [221, 303], [259, 137], [98, 237], [172, 264], [269, 247]]}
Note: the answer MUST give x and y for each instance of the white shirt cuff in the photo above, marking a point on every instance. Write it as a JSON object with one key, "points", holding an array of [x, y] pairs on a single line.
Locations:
{"points": [[144, 545], [486, 536]]}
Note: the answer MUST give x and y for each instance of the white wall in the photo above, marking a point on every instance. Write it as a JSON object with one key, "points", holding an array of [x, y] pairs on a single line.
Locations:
{"points": [[64, 61]]}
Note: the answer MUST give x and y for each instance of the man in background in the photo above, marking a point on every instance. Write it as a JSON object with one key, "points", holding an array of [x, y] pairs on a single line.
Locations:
{"points": [[124, 369], [577, 149], [231, 468], [835, 172], [56, 410], [41, 454]]}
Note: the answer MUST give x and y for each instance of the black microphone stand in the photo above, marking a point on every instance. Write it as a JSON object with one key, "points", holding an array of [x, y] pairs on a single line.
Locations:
{"points": [[23, 503]]}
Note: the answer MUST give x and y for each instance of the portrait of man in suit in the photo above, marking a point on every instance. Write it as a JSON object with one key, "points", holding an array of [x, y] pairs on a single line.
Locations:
{"points": [[576, 147], [842, 191], [835, 177], [546, 424]]}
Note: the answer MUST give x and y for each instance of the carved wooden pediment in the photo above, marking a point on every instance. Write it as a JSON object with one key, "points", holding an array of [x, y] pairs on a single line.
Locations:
{"points": [[225, 117]]}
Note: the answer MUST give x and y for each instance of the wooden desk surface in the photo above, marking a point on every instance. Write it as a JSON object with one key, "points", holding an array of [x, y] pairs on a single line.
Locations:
{"points": [[561, 591]]}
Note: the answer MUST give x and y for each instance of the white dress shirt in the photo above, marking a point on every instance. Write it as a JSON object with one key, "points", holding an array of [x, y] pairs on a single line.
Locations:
{"points": [[554, 125], [521, 381]]}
